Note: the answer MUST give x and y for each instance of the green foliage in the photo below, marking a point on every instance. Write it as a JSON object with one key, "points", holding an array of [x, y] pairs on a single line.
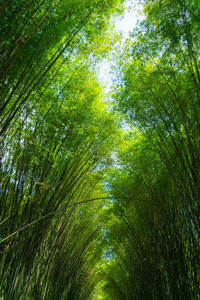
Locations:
{"points": [[156, 238], [56, 137], [62, 153]]}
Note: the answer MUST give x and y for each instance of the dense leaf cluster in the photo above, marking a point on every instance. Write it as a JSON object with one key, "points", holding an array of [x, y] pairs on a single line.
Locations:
{"points": [[156, 239], [55, 133], [58, 240]]}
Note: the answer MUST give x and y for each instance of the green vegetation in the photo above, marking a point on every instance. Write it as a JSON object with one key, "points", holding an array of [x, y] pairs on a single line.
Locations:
{"points": [[89, 210]]}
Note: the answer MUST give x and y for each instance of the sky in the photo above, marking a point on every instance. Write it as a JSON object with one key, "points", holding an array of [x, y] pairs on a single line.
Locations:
{"points": [[128, 21], [122, 24]]}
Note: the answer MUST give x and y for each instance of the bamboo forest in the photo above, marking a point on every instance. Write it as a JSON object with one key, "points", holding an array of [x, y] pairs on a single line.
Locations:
{"points": [[99, 150]]}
